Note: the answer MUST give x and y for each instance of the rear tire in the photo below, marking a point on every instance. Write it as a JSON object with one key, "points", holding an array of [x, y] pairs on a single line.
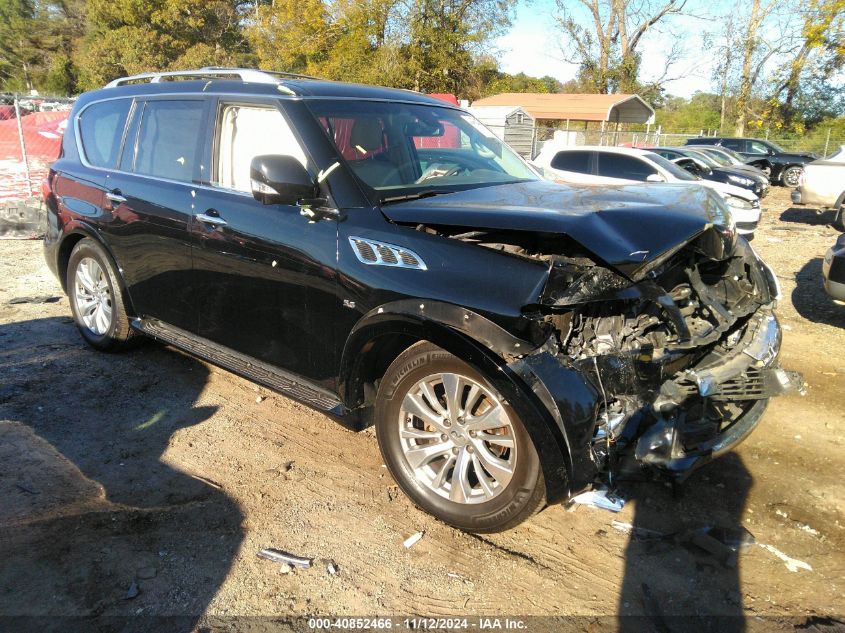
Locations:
{"points": [[97, 299], [474, 471], [791, 176]]}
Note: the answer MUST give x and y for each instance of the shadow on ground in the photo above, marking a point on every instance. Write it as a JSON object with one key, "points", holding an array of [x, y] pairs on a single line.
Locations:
{"points": [[809, 216], [673, 582], [94, 522], [810, 299]]}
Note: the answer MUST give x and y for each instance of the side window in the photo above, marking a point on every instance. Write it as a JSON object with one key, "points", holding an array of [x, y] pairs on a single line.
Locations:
{"points": [[756, 147], [737, 145], [246, 132], [624, 167], [576, 161], [169, 139], [101, 129]]}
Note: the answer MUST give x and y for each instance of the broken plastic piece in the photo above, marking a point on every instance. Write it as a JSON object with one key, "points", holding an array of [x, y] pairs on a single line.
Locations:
{"points": [[412, 540], [600, 497], [278, 556], [792, 564]]}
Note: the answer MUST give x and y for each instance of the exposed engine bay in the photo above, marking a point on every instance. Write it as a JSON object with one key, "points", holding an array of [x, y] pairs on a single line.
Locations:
{"points": [[682, 352]]}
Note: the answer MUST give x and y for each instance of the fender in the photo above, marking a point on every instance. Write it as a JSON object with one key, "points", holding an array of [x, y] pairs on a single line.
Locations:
{"points": [[79, 227], [483, 353]]}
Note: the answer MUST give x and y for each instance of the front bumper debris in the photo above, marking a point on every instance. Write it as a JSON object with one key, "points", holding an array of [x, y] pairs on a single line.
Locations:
{"points": [[750, 374]]}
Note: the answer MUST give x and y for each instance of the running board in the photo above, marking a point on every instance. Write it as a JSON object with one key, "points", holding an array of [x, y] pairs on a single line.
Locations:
{"points": [[274, 378]]}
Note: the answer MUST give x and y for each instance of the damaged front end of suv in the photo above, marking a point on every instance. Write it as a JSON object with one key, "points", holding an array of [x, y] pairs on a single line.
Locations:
{"points": [[668, 320]]}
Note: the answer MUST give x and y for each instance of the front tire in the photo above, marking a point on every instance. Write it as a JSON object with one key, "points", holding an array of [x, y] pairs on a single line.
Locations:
{"points": [[839, 218], [96, 298], [453, 445]]}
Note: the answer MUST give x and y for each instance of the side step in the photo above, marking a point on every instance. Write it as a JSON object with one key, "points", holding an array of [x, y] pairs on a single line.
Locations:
{"points": [[276, 379]]}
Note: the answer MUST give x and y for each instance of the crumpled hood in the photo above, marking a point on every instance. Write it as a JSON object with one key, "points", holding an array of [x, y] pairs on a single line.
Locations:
{"points": [[626, 226]]}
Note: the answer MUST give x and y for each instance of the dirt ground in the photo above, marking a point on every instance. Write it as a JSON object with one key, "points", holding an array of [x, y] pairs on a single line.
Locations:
{"points": [[155, 474]]}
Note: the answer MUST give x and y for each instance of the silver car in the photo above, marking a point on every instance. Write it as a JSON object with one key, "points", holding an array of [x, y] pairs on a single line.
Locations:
{"points": [[823, 186]]}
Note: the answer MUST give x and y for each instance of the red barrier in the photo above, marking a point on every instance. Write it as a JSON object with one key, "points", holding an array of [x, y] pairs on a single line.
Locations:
{"points": [[42, 139]]}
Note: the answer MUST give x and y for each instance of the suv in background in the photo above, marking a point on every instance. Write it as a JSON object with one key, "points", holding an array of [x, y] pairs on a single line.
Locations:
{"points": [[780, 166], [382, 257]]}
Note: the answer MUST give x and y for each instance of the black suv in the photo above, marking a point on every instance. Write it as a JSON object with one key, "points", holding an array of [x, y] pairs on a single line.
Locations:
{"points": [[779, 165], [384, 258]]}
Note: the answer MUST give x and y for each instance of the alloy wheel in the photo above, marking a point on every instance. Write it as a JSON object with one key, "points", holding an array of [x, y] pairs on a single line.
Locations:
{"points": [[792, 176], [457, 438], [92, 296]]}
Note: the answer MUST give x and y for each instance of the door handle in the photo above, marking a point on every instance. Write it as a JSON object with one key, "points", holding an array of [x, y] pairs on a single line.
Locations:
{"points": [[114, 196], [214, 220]]}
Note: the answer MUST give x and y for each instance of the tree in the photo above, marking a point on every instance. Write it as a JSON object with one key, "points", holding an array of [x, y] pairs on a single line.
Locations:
{"points": [[752, 63], [291, 35], [18, 47], [820, 55], [604, 39], [128, 36]]}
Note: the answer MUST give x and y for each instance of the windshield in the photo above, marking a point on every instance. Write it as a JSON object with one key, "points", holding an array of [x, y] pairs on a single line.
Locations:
{"points": [[400, 149], [717, 157], [707, 159], [735, 158], [672, 168]]}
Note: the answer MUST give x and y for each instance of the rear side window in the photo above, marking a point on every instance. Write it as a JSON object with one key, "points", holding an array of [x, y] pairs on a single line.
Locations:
{"points": [[572, 161], [169, 139], [101, 130], [625, 167]]}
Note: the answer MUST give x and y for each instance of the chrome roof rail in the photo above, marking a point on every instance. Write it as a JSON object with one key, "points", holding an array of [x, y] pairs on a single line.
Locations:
{"points": [[245, 74]]}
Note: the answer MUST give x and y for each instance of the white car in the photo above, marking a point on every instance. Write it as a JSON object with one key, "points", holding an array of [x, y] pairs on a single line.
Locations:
{"points": [[822, 185], [601, 165]]}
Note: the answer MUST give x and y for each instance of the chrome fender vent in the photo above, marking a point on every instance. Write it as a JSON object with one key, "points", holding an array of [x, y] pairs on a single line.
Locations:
{"points": [[381, 254]]}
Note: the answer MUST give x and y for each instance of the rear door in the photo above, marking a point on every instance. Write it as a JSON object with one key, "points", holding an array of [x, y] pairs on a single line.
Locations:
{"points": [[152, 200], [80, 186], [575, 166], [264, 274], [623, 169], [739, 145]]}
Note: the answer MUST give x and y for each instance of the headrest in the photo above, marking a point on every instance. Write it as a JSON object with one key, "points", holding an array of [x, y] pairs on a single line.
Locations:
{"points": [[367, 135]]}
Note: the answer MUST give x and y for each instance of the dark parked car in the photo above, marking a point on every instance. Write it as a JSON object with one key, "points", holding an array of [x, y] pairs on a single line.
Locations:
{"points": [[781, 166], [833, 270], [384, 258], [709, 169]]}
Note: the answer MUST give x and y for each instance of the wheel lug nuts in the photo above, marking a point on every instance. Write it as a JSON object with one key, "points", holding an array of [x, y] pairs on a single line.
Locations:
{"points": [[470, 449], [444, 437], [472, 433], [455, 450]]}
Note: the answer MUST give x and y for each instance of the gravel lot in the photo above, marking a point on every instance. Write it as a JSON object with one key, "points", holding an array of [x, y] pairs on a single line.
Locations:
{"points": [[155, 473]]}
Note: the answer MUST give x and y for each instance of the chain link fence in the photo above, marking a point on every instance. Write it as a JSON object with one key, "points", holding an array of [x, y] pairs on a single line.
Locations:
{"points": [[821, 142], [31, 130]]}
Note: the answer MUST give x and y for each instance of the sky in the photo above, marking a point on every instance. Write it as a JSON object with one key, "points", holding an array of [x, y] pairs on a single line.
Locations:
{"points": [[532, 46]]}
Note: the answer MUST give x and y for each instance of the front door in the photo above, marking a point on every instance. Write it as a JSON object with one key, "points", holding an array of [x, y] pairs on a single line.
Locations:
{"points": [[264, 275]]}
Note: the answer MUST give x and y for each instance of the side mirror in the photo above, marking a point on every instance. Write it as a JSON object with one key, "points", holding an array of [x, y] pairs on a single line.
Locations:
{"points": [[280, 180], [655, 178]]}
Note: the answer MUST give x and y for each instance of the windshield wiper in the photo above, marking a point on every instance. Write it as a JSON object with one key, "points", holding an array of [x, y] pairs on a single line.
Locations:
{"points": [[413, 196]]}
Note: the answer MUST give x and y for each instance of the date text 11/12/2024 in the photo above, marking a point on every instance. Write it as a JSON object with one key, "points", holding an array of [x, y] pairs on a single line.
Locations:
{"points": [[419, 624]]}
